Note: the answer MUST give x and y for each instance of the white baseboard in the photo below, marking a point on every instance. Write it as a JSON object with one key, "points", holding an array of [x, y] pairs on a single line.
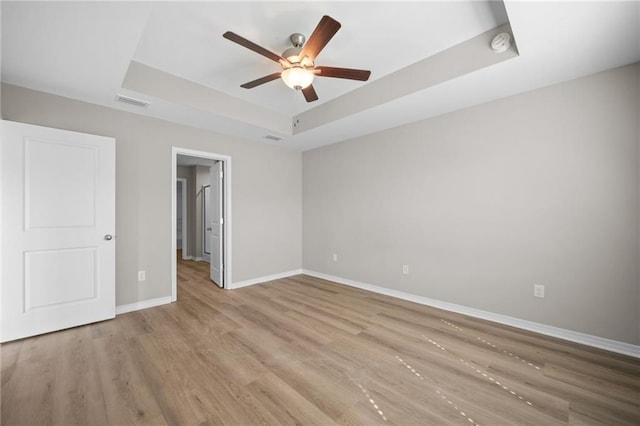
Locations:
{"points": [[266, 278], [572, 336], [142, 305]]}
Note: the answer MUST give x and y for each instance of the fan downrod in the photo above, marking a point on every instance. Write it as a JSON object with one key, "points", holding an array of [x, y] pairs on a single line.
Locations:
{"points": [[297, 39]]}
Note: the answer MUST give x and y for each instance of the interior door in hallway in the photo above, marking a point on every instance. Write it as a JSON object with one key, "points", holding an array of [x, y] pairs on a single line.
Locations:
{"points": [[216, 218], [58, 226]]}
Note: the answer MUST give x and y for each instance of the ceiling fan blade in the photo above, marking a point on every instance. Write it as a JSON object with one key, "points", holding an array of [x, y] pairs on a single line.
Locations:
{"points": [[252, 46], [326, 29], [351, 74], [310, 94], [261, 80]]}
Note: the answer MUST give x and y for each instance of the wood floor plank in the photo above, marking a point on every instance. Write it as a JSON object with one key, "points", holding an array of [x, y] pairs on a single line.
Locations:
{"points": [[580, 399], [127, 394], [31, 380], [595, 385], [169, 381], [240, 367], [285, 404], [326, 315], [77, 393], [303, 350], [437, 367], [321, 383]]}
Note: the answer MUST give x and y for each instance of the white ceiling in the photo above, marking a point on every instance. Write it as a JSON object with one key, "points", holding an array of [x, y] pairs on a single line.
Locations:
{"points": [[83, 50], [186, 40]]}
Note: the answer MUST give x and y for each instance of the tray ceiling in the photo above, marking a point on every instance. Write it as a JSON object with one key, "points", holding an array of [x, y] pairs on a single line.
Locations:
{"points": [[426, 58]]}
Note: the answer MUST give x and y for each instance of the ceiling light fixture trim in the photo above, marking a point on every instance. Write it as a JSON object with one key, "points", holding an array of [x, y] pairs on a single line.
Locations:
{"points": [[297, 77]]}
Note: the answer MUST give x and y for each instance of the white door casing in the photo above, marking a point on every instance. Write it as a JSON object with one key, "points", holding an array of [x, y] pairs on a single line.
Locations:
{"points": [[58, 229], [227, 226], [216, 222]]}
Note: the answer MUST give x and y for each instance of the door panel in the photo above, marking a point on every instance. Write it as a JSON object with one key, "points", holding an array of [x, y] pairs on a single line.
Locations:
{"points": [[206, 214], [58, 204], [44, 267], [59, 193], [216, 235]]}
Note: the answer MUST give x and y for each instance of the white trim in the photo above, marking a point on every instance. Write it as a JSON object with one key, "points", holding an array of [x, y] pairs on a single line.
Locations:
{"points": [[264, 279], [561, 333], [174, 231], [226, 227], [123, 309], [185, 238]]}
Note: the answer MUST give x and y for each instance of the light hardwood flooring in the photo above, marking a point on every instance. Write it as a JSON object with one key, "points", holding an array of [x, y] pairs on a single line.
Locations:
{"points": [[306, 351]]}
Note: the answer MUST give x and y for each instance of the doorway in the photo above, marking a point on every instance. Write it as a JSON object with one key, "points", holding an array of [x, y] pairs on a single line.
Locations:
{"points": [[207, 215]]}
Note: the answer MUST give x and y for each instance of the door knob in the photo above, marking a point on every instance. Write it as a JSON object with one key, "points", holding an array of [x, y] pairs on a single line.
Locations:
{"points": [[108, 237], [209, 228]]}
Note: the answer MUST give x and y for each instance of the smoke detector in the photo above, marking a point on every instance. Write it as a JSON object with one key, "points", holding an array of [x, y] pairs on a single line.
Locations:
{"points": [[501, 42]]}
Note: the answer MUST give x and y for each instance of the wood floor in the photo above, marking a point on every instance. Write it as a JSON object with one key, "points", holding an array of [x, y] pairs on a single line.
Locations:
{"points": [[306, 351]]}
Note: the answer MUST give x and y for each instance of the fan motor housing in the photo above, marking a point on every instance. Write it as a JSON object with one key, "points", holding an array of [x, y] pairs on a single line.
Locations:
{"points": [[292, 51]]}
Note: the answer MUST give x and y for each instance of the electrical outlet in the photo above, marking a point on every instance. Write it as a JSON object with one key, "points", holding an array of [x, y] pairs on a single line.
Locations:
{"points": [[538, 291], [142, 275], [405, 269], [335, 257]]}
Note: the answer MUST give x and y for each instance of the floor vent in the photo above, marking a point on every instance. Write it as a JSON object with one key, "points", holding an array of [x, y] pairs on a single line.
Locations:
{"points": [[132, 101]]}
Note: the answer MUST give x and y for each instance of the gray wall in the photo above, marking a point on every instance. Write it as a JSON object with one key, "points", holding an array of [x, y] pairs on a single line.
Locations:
{"points": [[266, 190], [483, 203], [543, 187]]}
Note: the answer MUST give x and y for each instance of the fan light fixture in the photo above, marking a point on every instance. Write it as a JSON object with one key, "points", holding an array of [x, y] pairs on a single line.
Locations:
{"points": [[297, 62], [297, 77], [298, 72]]}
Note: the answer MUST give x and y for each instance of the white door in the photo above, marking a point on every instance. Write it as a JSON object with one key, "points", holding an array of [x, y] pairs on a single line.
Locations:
{"points": [[216, 221], [206, 221], [58, 225]]}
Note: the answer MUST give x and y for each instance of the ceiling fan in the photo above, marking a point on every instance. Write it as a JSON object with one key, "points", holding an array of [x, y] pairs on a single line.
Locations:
{"points": [[297, 62]]}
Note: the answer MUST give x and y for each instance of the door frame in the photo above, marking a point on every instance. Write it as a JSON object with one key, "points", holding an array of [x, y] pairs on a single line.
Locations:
{"points": [[226, 226], [185, 239]]}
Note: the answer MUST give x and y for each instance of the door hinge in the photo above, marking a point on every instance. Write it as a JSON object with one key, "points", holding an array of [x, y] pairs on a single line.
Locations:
{"points": [[221, 174], [222, 221]]}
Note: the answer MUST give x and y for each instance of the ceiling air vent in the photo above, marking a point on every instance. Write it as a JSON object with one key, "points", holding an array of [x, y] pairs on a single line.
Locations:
{"points": [[132, 101], [273, 138]]}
